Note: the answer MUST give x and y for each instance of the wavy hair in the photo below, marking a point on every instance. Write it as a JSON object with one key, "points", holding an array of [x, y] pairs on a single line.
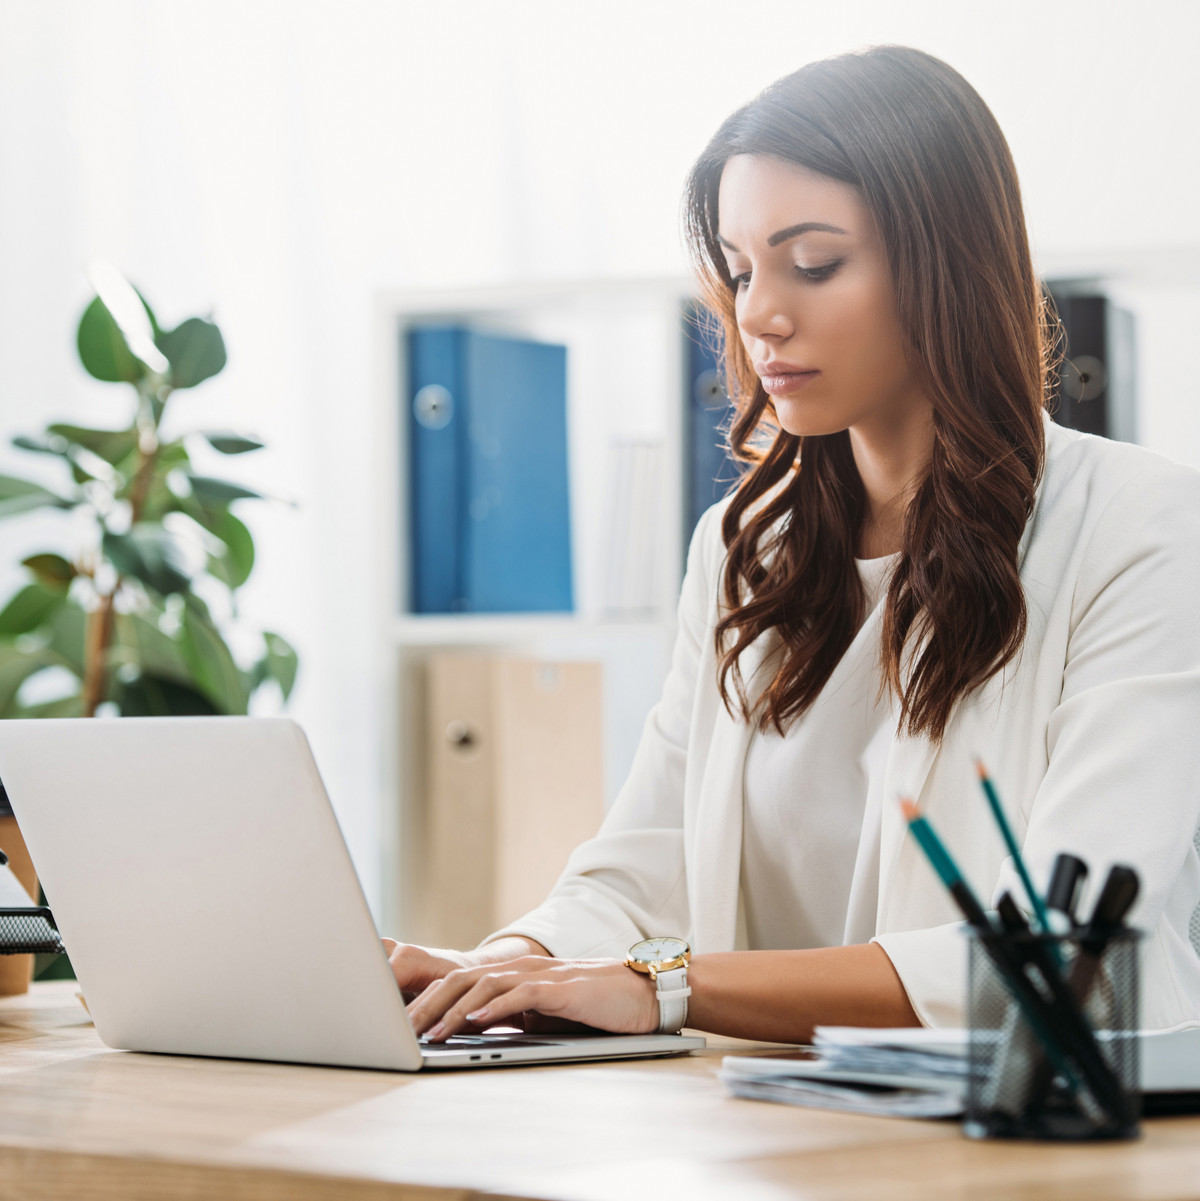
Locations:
{"points": [[936, 174]]}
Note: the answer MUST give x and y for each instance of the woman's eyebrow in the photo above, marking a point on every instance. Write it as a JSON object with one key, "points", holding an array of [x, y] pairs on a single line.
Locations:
{"points": [[792, 231]]}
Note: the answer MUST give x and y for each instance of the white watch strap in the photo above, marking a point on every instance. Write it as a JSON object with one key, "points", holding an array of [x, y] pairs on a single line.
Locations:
{"points": [[671, 989]]}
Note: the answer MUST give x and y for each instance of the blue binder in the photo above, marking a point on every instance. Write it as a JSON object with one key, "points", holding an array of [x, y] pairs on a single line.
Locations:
{"points": [[490, 516], [710, 471]]}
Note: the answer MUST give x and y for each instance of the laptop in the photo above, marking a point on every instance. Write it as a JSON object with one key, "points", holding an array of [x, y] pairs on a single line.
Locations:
{"points": [[204, 892]]}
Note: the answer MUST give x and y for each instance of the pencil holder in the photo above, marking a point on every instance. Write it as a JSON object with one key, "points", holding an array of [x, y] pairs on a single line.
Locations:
{"points": [[1053, 1050], [29, 932]]}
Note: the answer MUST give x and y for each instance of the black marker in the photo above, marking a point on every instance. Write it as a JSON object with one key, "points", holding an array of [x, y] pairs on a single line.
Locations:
{"points": [[1066, 881], [1055, 1001], [1115, 901]]}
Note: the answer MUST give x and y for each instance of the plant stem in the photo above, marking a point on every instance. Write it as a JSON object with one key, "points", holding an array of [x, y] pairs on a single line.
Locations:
{"points": [[141, 484], [101, 620], [99, 635]]}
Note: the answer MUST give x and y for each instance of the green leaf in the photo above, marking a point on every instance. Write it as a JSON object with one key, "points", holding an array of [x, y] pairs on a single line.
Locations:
{"points": [[19, 496], [103, 351], [282, 662], [232, 444], [27, 610], [191, 601], [207, 516], [142, 644], [15, 668], [196, 352], [212, 491], [211, 664], [171, 455], [135, 325], [12, 488], [67, 636], [52, 570], [39, 446], [153, 696], [150, 554], [110, 445], [238, 559]]}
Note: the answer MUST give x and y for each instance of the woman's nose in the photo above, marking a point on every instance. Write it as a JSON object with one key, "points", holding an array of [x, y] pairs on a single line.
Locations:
{"points": [[761, 313]]}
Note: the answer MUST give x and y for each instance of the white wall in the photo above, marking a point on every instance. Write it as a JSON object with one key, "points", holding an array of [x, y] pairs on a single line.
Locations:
{"points": [[279, 162]]}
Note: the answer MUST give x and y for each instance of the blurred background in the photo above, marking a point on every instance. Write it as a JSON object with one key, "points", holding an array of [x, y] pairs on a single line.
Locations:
{"points": [[317, 174]]}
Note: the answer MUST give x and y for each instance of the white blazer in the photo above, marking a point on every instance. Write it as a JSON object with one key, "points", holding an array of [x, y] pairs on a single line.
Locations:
{"points": [[1092, 737]]}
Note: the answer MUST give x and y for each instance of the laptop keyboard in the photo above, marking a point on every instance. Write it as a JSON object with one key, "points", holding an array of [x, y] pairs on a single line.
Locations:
{"points": [[473, 1042]]}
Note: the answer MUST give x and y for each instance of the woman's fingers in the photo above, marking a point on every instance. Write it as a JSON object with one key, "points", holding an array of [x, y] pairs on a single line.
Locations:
{"points": [[495, 997], [432, 1006], [416, 968]]}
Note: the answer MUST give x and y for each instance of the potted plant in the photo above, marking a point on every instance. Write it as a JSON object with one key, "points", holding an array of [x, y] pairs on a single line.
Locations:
{"points": [[130, 621]]}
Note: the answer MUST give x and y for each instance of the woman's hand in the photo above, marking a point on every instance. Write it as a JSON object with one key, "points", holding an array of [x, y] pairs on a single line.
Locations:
{"points": [[601, 993], [416, 968]]}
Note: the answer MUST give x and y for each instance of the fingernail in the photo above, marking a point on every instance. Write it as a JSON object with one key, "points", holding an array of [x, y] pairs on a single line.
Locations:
{"points": [[479, 1013], [437, 1031]]}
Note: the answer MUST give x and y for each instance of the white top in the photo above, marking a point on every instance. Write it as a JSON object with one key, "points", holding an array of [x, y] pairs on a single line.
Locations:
{"points": [[1089, 734], [812, 800]]}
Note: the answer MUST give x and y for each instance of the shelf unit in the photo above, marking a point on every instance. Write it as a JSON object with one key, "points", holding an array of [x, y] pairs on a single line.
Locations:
{"points": [[626, 365]]}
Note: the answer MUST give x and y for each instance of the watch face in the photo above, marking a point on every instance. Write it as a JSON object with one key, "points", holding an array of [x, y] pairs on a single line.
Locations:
{"points": [[657, 950]]}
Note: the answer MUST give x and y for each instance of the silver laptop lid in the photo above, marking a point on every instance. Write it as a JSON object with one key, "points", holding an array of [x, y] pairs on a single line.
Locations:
{"points": [[203, 889]]}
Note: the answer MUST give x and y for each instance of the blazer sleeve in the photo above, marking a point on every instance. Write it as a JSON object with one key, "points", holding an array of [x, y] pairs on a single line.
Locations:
{"points": [[629, 881], [1123, 780], [1122, 747]]}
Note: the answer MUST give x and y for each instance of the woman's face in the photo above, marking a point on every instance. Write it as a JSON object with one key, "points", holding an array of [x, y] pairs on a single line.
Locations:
{"points": [[814, 300]]}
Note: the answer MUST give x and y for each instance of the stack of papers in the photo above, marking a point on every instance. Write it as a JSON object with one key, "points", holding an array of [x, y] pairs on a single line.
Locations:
{"points": [[917, 1073], [911, 1073], [938, 1057]]}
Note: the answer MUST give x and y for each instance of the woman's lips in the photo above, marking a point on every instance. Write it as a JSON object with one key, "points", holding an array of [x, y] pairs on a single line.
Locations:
{"points": [[777, 381]]}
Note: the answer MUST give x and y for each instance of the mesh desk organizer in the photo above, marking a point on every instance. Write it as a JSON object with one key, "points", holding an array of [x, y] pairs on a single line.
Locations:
{"points": [[28, 930]]}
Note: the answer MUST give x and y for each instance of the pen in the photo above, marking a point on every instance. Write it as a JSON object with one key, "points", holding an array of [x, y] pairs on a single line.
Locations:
{"points": [[994, 946], [1071, 1028], [1066, 879], [1116, 899], [993, 799]]}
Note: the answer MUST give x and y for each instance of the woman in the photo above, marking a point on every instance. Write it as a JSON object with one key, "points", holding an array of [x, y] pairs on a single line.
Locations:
{"points": [[918, 568]]}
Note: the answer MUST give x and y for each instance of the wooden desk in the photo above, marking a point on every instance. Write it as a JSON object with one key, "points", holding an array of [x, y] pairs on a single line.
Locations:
{"points": [[80, 1121]]}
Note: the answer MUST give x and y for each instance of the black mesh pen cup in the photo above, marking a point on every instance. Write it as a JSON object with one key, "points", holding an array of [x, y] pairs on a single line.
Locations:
{"points": [[29, 932], [1053, 1050]]}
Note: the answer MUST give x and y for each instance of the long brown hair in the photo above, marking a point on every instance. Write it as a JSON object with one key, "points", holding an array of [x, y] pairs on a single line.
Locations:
{"points": [[936, 174]]}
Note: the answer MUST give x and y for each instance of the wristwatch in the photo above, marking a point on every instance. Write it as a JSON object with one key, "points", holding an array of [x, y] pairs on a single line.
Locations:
{"points": [[665, 961]]}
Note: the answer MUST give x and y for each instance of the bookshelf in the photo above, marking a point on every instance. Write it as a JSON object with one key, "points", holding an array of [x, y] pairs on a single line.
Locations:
{"points": [[625, 386]]}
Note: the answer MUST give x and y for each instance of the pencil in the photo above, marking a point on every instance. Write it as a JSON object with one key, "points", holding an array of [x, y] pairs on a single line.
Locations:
{"points": [[997, 949], [993, 799]]}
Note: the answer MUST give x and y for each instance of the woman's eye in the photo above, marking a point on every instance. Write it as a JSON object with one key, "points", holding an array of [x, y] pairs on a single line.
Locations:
{"points": [[739, 283], [817, 274]]}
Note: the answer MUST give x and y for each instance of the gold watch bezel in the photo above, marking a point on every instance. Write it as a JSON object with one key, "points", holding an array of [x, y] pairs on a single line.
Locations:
{"points": [[652, 968]]}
